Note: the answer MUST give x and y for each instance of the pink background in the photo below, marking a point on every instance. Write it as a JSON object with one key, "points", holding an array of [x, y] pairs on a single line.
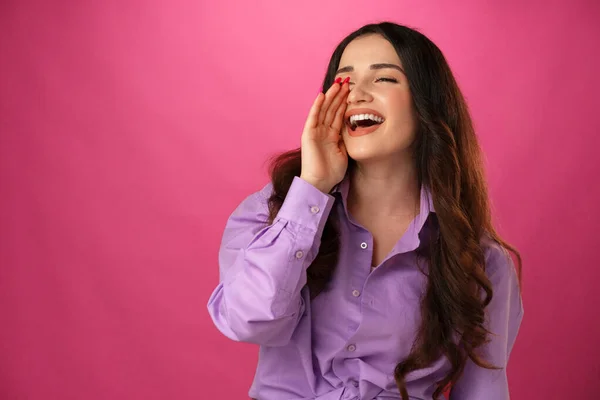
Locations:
{"points": [[131, 129]]}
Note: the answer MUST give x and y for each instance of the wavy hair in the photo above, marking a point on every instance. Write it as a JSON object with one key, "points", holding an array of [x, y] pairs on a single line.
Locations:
{"points": [[448, 161]]}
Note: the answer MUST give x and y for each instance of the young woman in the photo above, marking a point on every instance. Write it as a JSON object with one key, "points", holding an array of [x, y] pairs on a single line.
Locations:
{"points": [[368, 268]]}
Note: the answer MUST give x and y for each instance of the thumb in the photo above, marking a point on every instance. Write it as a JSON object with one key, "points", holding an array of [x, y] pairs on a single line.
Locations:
{"points": [[342, 147]]}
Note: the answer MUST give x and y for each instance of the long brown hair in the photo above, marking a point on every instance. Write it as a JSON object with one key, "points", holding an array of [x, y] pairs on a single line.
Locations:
{"points": [[448, 161]]}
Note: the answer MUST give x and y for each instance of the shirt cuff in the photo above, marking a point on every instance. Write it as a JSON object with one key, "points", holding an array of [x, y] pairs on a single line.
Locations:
{"points": [[306, 205]]}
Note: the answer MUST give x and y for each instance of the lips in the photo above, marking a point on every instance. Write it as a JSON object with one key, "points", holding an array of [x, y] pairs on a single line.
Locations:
{"points": [[362, 121], [361, 131]]}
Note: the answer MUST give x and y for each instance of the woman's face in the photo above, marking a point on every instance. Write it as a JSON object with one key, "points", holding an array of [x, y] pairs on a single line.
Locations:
{"points": [[377, 87]]}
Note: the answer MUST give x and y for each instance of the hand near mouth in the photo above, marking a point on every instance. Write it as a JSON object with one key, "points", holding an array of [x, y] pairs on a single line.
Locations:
{"points": [[324, 156]]}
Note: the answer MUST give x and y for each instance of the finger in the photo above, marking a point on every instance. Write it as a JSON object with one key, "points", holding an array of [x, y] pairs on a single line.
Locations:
{"points": [[338, 119], [313, 114], [329, 96], [337, 107]]}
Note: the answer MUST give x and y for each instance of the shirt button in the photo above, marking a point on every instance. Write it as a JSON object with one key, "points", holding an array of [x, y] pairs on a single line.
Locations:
{"points": [[314, 209], [356, 293], [299, 254], [363, 245], [351, 347]]}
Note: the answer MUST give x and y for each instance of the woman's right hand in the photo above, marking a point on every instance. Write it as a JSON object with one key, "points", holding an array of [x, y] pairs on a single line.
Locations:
{"points": [[324, 156]]}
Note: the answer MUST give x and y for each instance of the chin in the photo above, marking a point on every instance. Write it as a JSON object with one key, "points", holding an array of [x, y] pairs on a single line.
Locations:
{"points": [[363, 154]]}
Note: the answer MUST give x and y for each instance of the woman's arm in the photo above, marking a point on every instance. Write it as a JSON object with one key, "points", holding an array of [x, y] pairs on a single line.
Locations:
{"points": [[504, 315], [263, 268]]}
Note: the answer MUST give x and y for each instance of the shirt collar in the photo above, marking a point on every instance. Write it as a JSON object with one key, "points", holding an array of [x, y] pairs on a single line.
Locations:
{"points": [[426, 208]]}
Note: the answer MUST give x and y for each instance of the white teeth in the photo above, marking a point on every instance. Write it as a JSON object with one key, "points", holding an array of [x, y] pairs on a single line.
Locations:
{"points": [[359, 117]]}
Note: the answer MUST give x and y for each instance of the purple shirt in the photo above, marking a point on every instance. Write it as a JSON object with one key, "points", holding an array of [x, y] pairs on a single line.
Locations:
{"points": [[345, 343]]}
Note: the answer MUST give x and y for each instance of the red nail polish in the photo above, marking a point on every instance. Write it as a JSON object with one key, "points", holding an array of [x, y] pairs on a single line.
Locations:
{"points": [[346, 80], [338, 80]]}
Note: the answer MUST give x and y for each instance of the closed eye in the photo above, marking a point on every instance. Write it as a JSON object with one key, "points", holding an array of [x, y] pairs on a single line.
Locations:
{"points": [[393, 80]]}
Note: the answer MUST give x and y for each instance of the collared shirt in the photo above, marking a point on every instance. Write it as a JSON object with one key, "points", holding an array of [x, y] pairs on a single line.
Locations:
{"points": [[346, 342]]}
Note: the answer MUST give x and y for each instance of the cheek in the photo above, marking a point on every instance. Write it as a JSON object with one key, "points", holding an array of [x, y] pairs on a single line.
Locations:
{"points": [[404, 119], [400, 103]]}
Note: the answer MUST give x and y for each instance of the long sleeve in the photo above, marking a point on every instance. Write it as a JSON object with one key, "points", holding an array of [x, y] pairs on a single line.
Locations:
{"points": [[263, 268], [504, 315]]}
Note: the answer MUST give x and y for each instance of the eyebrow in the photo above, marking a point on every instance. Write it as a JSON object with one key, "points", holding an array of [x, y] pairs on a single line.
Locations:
{"points": [[372, 67]]}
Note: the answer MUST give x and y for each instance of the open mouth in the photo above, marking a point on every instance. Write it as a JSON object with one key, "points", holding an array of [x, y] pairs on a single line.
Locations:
{"points": [[358, 121]]}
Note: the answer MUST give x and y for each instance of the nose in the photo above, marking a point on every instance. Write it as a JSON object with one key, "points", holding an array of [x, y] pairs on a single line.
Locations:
{"points": [[358, 94]]}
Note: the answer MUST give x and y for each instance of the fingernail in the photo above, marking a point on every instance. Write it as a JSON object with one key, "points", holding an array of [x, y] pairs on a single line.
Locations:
{"points": [[346, 80], [338, 80]]}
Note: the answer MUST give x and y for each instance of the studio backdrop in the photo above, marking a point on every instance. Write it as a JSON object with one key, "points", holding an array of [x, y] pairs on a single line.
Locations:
{"points": [[130, 130]]}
